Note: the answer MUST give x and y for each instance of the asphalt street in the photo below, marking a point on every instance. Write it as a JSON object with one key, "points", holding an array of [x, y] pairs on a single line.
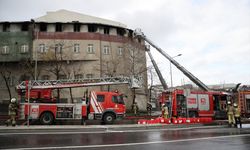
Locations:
{"points": [[126, 138]]}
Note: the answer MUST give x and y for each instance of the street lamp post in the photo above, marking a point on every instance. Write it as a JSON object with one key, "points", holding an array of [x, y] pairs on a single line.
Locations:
{"points": [[170, 66]]}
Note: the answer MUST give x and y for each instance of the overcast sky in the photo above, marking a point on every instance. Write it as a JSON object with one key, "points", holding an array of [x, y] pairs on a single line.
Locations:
{"points": [[213, 36]]}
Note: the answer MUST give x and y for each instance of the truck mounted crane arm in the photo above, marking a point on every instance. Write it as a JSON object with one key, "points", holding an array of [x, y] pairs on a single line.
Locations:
{"points": [[199, 83], [163, 82]]}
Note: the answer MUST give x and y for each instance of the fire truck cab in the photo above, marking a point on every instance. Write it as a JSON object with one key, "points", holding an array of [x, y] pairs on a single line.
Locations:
{"points": [[105, 106]]}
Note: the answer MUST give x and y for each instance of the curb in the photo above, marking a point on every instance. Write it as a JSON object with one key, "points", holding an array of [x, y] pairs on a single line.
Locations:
{"points": [[104, 127]]}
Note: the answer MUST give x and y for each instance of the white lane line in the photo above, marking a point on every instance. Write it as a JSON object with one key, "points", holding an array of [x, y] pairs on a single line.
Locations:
{"points": [[134, 144], [108, 130]]}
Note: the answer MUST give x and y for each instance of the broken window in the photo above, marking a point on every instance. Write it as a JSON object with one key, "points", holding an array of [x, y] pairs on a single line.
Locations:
{"points": [[120, 31], [43, 27], [92, 28], [25, 27], [106, 30], [58, 27], [6, 27], [77, 27], [130, 34]]}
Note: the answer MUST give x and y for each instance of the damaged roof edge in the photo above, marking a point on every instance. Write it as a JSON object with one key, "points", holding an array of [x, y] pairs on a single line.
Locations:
{"points": [[65, 16]]}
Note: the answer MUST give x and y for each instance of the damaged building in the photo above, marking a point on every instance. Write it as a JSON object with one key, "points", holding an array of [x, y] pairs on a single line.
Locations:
{"points": [[70, 45]]}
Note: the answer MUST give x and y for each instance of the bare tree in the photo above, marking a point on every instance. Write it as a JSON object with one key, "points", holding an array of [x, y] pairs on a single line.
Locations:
{"points": [[58, 59], [6, 75], [136, 60]]}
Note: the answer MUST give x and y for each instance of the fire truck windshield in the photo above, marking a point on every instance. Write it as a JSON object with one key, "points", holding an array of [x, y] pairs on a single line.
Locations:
{"points": [[118, 99]]}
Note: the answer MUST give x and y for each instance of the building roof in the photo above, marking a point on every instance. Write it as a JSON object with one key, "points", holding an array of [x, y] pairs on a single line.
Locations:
{"points": [[65, 16]]}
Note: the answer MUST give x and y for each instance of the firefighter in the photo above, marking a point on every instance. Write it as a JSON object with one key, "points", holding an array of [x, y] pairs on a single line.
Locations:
{"points": [[135, 108], [165, 111], [230, 114], [149, 108], [237, 115], [12, 112]]}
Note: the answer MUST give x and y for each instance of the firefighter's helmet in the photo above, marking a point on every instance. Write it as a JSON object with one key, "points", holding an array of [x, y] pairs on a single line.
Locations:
{"points": [[229, 103], [235, 105], [13, 100]]}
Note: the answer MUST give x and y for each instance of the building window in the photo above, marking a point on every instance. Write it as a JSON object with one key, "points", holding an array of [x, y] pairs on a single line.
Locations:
{"points": [[120, 31], [5, 50], [77, 27], [106, 30], [58, 48], [120, 51], [79, 76], [58, 27], [42, 48], [76, 48], [90, 49], [25, 27], [43, 27], [106, 50], [24, 48], [89, 76], [92, 28], [45, 77], [6, 27]]}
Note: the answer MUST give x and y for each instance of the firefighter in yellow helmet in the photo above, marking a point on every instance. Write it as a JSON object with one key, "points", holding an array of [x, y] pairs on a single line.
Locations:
{"points": [[165, 111], [12, 112], [237, 115], [230, 114]]}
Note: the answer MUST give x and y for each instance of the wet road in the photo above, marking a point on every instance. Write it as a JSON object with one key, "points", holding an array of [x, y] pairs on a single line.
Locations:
{"points": [[125, 139]]}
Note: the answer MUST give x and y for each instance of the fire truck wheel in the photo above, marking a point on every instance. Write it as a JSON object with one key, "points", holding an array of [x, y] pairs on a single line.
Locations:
{"points": [[46, 118], [108, 118]]}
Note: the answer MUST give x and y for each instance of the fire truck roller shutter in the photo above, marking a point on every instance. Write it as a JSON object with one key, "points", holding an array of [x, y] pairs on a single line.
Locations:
{"points": [[193, 113], [47, 118], [108, 117]]}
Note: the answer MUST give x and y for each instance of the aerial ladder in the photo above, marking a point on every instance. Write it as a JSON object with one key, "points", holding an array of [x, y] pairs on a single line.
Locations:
{"points": [[134, 82], [200, 84], [163, 82]]}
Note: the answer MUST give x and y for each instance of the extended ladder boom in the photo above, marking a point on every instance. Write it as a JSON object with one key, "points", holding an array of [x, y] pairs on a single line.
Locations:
{"points": [[134, 82], [164, 84], [181, 68]]}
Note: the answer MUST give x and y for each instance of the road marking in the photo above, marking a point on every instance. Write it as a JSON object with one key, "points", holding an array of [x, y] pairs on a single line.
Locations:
{"points": [[134, 144], [108, 130]]}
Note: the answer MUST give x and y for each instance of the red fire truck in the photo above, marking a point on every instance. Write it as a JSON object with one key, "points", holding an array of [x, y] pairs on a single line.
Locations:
{"points": [[194, 103], [38, 102], [244, 100]]}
